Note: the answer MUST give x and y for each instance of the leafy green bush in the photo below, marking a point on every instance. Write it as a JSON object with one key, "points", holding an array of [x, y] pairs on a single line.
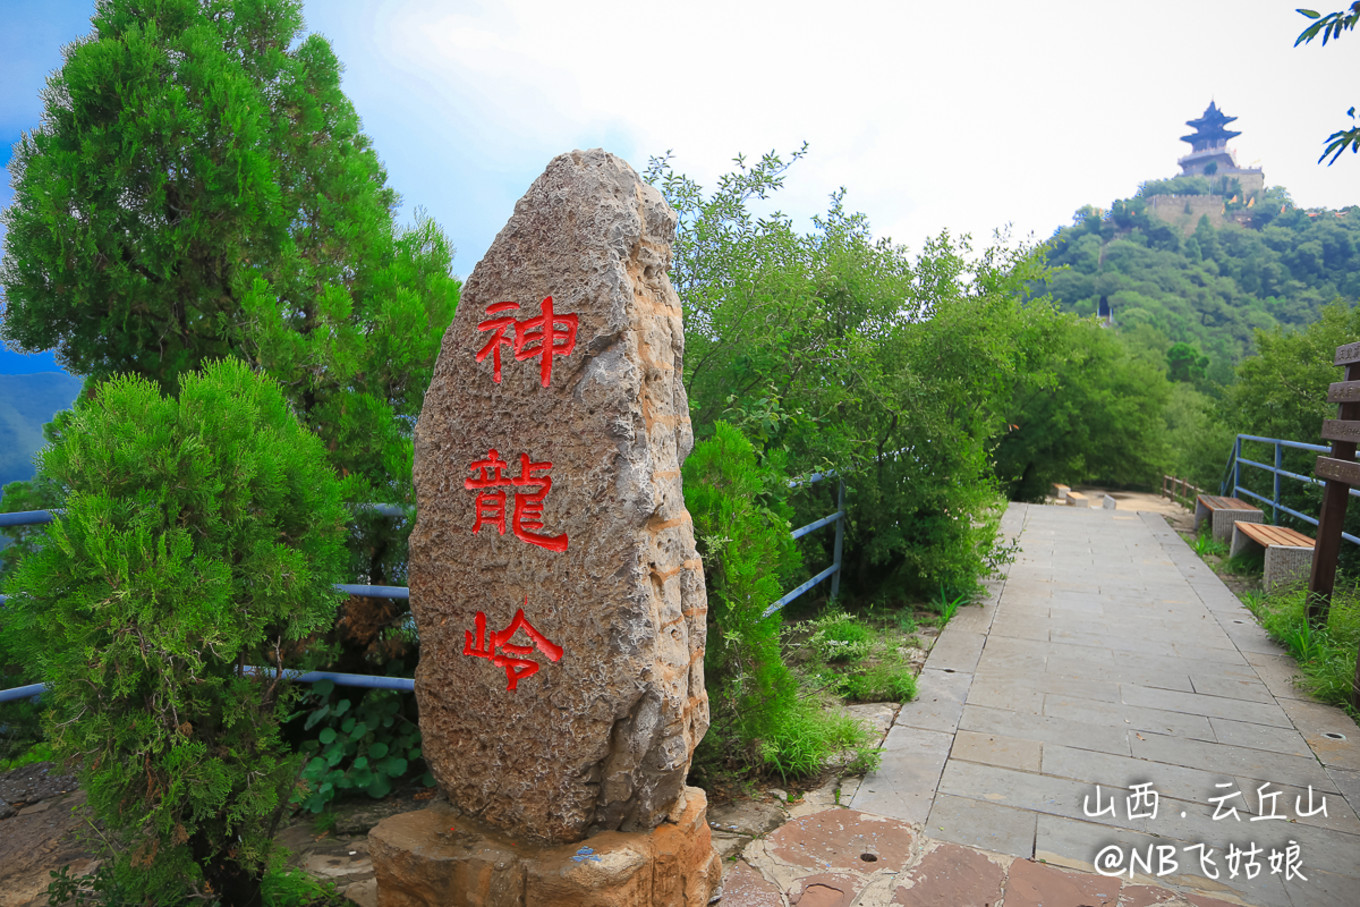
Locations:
{"points": [[200, 536], [361, 747], [745, 546], [838, 348]]}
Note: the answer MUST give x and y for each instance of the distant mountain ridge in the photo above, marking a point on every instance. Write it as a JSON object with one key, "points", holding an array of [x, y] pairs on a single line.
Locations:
{"points": [[1214, 286], [27, 403]]}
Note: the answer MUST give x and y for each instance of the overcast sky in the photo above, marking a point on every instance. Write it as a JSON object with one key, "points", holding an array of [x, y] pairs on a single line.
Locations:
{"points": [[934, 116]]}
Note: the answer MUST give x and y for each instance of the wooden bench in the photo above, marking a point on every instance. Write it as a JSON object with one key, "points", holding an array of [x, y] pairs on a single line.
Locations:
{"points": [[1077, 499], [1289, 553], [1060, 491], [1223, 512]]}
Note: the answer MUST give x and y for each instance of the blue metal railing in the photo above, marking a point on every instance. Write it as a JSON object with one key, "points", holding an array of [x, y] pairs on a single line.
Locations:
{"points": [[1232, 480], [38, 517], [370, 681], [834, 571]]}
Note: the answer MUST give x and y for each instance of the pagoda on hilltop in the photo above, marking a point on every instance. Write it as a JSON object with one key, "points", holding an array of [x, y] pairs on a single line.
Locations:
{"points": [[1209, 154]]}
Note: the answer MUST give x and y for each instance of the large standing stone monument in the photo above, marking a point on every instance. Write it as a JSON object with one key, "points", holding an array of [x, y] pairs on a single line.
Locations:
{"points": [[554, 578]]}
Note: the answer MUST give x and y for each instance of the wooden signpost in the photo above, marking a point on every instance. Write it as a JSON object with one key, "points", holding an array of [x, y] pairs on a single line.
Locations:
{"points": [[1341, 472]]}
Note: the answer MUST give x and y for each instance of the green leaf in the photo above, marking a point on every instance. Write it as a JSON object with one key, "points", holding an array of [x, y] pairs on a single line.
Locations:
{"points": [[394, 766], [380, 787], [341, 707], [1311, 14], [378, 750], [316, 716], [327, 736]]}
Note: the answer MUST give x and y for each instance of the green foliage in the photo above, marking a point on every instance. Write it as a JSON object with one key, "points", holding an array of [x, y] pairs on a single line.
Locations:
{"points": [[1326, 655], [1330, 26], [1198, 438], [1281, 392], [1212, 290], [743, 536], [365, 747], [837, 348], [1191, 185], [200, 188], [99, 887], [858, 661], [810, 735], [281, 887], [37, 752], [836, 636], [1102, 421], [200, 535], [1185, 363], [1204, 543], [886, 678], [948, 604]]}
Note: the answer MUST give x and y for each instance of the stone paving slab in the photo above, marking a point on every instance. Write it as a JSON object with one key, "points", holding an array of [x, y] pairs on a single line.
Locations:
{"points": [[1113, 656], [906, 779], [939, 701]]}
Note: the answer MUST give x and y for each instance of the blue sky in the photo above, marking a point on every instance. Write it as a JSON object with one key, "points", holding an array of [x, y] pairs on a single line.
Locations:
{"points": [[932, 118]]}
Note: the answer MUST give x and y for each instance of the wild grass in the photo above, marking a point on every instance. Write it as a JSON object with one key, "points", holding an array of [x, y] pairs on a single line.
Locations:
{"points": [[862, 660], [1326, 654], [1205, 544]]}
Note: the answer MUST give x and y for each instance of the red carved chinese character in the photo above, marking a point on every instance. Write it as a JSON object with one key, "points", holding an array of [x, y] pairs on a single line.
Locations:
{"points": [[499, 325], [528, 514], [546, 336], [529, 506], [516, 669], [490, 504]]}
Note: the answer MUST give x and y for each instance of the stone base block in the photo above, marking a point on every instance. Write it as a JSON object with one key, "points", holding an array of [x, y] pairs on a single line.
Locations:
{"points": [[1286, 565], [434, 857], [1223, 521]]}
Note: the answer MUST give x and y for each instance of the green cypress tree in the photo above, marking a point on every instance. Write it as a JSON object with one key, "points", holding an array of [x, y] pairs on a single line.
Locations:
{"points": [[199, 187], [200, 536]]}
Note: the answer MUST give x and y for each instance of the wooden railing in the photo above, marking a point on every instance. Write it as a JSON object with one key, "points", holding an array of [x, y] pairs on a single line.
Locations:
{"points": [[1180, 491]]}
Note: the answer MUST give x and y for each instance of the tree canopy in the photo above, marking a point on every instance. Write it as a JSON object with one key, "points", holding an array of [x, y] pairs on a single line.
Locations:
{"points": [[200, 188]]}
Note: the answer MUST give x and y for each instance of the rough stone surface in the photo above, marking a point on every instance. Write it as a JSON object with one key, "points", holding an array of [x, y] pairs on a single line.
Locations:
{"points": [[744, 887], [601, 737], [746, 817], [1146, 896], [842, 839], [828, 889], [436, 856], [951, 875], [1033, 884]]}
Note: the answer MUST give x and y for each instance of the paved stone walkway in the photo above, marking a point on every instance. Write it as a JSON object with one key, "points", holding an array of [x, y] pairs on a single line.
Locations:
{"points": [[1110, 656]]}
